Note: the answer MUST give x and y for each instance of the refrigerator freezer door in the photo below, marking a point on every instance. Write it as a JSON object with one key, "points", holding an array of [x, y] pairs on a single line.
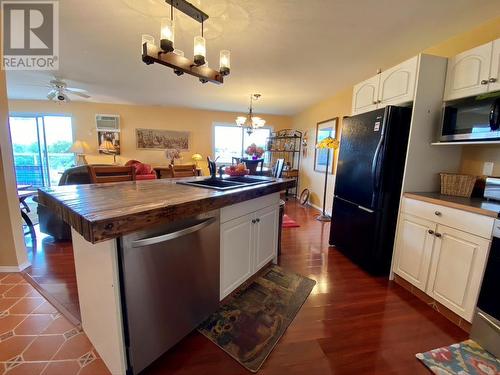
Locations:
{"points": [[353, 231], [359, 158]]}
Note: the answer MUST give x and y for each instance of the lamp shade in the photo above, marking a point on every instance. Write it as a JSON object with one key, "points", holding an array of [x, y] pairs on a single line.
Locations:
{"points": [[197, 157], [79, 147]]}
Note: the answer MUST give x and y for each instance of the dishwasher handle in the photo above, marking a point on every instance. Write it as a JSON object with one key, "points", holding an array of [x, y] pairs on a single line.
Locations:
{"points": [[173, 235]]}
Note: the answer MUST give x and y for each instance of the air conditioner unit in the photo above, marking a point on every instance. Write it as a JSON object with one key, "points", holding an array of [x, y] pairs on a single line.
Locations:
{"points": [[109, 123]]}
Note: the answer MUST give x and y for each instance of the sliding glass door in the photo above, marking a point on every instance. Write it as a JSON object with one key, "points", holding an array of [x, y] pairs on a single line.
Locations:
{"points": [[40, 144]]}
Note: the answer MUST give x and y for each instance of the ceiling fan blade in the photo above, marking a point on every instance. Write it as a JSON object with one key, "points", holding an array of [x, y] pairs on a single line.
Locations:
{"points": [[79, 93], [52, 94]]}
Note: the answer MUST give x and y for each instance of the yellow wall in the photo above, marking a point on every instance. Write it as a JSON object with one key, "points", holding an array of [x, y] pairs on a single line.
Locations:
{"points": [[198, 122], [12, 249], [339, 105]]}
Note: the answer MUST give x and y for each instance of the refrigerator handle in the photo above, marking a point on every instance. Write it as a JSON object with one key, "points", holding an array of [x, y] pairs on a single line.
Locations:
{"points": [[375, 163]]}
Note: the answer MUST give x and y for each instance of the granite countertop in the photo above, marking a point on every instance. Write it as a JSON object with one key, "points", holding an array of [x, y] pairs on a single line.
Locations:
{"points": [[480, 206], [106, 211]]}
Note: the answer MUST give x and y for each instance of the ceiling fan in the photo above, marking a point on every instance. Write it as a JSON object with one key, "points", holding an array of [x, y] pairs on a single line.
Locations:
{"points": [[60, 90]]}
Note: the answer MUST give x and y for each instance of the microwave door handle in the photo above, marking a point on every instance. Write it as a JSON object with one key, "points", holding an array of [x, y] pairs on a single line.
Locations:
{"points": [[495, 115]]}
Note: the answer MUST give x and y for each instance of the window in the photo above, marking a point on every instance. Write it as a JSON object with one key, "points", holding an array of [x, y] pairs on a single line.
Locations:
{"points": [[232, 141], [40, 144]]}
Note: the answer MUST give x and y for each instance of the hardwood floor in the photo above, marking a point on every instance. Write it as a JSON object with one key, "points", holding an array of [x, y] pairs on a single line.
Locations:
{"points": [[53, 270], [351, 323]]}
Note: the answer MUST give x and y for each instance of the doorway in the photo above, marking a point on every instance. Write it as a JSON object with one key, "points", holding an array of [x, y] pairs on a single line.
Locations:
{"points": [[40, 145]]}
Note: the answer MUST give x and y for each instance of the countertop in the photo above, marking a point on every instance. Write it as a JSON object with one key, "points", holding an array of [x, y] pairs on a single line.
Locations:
{"points": [[106, 211], [476, 205]]}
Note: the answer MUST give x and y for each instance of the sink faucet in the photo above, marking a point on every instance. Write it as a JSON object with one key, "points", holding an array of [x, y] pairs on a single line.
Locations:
{"points": [[212, 166]]}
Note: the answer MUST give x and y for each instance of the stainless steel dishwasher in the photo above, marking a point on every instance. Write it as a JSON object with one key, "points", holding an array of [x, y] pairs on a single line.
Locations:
{"points": [[169, 284]]}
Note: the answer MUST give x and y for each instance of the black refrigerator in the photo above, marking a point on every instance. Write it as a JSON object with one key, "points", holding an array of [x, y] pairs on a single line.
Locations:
{"points": [[368, 186]]}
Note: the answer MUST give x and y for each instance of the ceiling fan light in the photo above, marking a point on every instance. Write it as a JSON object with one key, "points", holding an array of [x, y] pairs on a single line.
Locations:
{"points": [[200, 51], [225, 62], [167, 34]]}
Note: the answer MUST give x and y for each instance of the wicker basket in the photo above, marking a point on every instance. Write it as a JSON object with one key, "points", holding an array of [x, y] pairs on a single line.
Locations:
{"points": [[459, 185]]}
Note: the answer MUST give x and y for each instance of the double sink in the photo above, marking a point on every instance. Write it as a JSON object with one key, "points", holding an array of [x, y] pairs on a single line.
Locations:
{"points": [[228, 183]]}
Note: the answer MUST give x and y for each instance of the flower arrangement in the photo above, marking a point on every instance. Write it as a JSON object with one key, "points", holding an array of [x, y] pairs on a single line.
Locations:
{"points": [[328, 142], [172, 155], [253, 150]]}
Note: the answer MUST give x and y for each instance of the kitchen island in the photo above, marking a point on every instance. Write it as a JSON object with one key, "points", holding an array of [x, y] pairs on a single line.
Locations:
{"points": [[149, 250]]}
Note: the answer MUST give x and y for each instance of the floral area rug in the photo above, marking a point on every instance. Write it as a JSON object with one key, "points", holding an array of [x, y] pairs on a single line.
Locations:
{"points": [[465, 358], [250, 322]]}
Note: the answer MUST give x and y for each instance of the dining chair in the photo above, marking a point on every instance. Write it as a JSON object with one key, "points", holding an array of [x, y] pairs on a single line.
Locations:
{"points": [[111, 173], [278, 168], [254, 165], [188, 170]]}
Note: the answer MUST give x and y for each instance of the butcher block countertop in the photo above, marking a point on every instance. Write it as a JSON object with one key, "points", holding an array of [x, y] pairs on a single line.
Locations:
{"points": [[479, 206], [106, 211]]}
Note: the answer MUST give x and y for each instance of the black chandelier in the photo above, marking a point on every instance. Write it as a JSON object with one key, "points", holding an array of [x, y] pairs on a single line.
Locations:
{"points": [[167, 55]]}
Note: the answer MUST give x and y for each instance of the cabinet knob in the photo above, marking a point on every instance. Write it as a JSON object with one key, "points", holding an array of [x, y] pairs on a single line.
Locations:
{"points": [[257, 220], [437, 213], [380, 101], [492, 80], [431, 231], [438, 235], [254, 221], [484, 82], [374, 102]]}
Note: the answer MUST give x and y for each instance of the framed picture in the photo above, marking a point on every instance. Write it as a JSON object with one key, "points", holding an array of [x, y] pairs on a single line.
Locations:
{"points": [[328, 128], [155, 139], [109, 142]]}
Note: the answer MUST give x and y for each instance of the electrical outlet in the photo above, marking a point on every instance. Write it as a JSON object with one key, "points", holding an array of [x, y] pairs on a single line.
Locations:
{"points": [[488, 168]]}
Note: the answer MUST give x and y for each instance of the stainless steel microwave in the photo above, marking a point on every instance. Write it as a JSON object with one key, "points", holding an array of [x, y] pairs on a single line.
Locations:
{"points": [[472, 119]]}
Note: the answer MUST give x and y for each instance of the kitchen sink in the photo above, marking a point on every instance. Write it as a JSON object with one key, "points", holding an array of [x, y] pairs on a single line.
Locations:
{"points": [[224, 183]]}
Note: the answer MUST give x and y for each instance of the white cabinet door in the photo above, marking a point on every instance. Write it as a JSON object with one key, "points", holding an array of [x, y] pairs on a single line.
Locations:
{"points": [[495, 67], [365, 95], [468, 73], [397, 85], [457, 267], [266, 236], [414, 242], [237, 253]]}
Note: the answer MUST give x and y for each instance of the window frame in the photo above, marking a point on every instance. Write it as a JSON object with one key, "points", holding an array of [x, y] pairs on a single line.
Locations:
{"points": [[231, 125]]}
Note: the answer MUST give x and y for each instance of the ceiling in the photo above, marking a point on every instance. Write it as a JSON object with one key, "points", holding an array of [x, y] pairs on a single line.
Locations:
{"points": [[293, 52]]}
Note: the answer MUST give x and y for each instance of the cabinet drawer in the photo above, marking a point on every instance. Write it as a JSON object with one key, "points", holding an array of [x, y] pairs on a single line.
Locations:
{"points": [[244, 208], [462, 220]]}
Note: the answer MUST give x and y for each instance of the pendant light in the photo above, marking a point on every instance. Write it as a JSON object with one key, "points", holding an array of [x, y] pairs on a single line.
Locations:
{"points": [[251, 122], [167, 32], [166, 54], [200, 50]]}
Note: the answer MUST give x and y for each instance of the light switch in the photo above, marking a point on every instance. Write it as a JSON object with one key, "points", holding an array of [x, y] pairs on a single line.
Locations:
{"points": [[488, 168]]}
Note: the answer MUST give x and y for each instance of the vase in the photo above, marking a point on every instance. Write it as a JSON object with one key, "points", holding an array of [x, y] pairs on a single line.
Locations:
{"points": [[254, 157]]}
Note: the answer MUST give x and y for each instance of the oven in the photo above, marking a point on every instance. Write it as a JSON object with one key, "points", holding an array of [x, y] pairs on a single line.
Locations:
{"points": [[486, 324], [472, 119]]}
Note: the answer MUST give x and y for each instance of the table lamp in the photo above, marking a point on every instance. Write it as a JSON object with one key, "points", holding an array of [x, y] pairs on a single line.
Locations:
{"points": [[107, 147], [196, 158], [80, 148]]}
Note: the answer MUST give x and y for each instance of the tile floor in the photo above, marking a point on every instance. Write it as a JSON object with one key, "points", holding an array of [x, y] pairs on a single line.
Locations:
{"points": [[35, 339]]}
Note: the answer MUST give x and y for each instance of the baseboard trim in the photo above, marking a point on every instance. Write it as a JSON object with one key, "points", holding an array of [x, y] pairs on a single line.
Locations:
{"points": [[19, 268], [320, 209]]}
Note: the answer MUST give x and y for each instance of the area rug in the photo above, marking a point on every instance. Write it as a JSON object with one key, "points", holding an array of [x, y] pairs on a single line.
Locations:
{"points": [[465, 358], [250, 322], [288, 222]]}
